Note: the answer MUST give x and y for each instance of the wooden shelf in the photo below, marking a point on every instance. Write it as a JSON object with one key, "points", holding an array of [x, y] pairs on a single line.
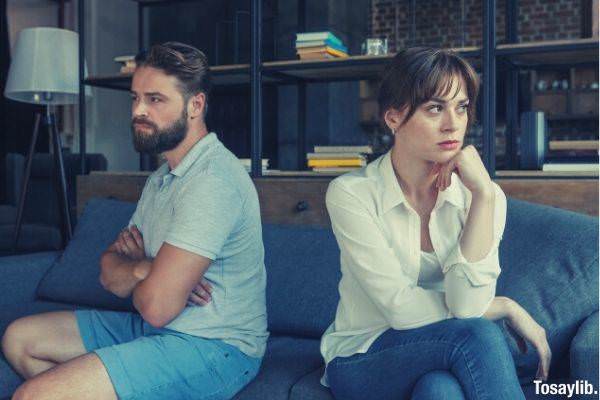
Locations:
{"points": [[275, 172], [563, 117], [348, 68], [544, 174], [370, 67], [282, 194], [278, 72], [551, 52], [222, 75]]}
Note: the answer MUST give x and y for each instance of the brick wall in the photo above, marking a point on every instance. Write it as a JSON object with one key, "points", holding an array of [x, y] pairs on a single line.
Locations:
{"points": [[438, 22]]}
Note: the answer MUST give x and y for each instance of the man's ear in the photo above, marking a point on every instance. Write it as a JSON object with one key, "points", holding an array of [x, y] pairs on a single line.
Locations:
{"points": [[197, 104]]}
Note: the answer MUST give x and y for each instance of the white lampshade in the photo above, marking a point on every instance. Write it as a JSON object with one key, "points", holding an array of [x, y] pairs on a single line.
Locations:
{"points": [[44, 67]]}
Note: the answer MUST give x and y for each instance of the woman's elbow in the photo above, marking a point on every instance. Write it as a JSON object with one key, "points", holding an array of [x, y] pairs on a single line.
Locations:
{"points": [[466, 312], [463, 308]]}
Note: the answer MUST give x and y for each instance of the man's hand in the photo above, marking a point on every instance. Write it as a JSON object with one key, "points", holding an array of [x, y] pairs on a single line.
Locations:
{"points": [[130, 243], [124, 264], [469, 167], [200, 295]]}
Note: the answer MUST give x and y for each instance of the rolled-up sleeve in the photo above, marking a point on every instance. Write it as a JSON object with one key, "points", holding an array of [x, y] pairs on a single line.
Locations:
{"points": [[471, 286], [374, 265]]}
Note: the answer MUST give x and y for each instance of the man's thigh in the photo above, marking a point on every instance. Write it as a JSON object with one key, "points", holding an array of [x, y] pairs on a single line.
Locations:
{"points": [[52, 336], [103, 328], [177, 366], [82, 378]]}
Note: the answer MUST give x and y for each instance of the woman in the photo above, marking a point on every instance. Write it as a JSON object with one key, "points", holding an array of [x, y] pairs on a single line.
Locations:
{"points": [[418, 230]]}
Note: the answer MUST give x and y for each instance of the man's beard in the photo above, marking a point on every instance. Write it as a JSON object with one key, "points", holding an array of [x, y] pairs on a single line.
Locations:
{"points": [[159, 140]]}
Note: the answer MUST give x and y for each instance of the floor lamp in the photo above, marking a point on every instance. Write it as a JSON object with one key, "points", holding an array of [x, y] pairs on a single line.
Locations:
{"points": [[45, 71]]}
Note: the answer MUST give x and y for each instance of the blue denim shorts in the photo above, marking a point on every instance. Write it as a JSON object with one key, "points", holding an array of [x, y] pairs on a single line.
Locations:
{"points": [[144, 362]]}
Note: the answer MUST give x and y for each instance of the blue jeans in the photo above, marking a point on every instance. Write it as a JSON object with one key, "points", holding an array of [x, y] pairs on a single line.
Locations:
{"points": [[450, 359]]}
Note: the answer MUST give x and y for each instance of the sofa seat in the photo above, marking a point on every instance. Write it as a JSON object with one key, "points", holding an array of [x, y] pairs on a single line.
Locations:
{"points": [[286, 361], [310, 388], [9, 380]]}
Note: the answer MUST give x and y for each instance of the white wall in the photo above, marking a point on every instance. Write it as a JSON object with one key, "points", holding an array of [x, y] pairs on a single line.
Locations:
{"points": [[110, 30], [29, 13]]}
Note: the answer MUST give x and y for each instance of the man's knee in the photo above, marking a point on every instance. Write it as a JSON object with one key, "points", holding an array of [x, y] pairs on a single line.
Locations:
{"points": [[24, 392], [32, 390], [13, 339]]}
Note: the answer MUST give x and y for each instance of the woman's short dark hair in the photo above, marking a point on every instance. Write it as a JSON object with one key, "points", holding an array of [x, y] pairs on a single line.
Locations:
{"points": [[415, 75], [188, 64]]}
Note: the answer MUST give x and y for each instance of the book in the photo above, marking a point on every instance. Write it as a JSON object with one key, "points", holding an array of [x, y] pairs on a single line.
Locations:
{"points": [[573, 145], [316, 56], [324, 52], [570, 167], [317, 44], [337, 163], [313, 36], [127, 69], [248, 162], [344, 149], [352, 155], [124, 59], [334, 169]]}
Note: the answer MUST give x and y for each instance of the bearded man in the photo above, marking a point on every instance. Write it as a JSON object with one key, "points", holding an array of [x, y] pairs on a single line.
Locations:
{"points": [[191, 257]]}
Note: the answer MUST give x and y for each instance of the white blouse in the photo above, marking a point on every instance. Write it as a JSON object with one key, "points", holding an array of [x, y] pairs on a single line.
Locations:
{"points": [[379, 235]]}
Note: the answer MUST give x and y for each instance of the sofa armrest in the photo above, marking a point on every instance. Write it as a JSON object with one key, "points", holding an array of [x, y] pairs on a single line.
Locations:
{"points": [[20, 275], [584, 351]]}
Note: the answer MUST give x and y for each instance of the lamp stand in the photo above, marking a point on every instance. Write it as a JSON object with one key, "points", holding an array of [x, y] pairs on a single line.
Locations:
{"points": [[49, 121]]}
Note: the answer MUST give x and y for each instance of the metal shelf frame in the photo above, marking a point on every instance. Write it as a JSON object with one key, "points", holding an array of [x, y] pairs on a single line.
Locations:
{"points": [[490, 55]]}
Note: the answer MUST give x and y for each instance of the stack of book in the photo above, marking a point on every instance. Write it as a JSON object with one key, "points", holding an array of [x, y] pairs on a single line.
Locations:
{"points": [[572, 156], [338, 159], [127, 64], [319, 45], [247, 163]]}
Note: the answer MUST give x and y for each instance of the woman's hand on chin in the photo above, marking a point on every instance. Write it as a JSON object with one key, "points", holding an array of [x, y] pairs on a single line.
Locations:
{"points": [[468, 166]]}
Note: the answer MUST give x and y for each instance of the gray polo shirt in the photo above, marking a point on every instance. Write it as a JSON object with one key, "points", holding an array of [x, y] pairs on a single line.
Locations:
{"points": [[208, 205]]}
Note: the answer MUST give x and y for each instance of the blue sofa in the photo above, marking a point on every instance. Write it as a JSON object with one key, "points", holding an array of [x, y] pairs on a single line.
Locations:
{"points": [[549, 259]]}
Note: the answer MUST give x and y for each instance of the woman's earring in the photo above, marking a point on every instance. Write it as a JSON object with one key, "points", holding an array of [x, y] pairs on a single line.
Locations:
{"points": [[393, 131]]}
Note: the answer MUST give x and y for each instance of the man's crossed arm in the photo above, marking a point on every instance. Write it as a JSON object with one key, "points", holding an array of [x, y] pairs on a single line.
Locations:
{"points": [[161, 287]]}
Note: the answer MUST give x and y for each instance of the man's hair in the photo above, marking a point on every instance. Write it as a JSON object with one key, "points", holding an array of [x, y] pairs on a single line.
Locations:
{"points": [[188, 64], [416, 75]]}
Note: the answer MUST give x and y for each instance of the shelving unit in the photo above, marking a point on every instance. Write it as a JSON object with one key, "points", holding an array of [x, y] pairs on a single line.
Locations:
{"points": [[486, 58]]}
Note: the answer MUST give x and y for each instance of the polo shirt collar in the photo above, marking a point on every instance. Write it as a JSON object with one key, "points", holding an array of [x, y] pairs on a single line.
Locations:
{"points": [[194, 154], [161, 174]]}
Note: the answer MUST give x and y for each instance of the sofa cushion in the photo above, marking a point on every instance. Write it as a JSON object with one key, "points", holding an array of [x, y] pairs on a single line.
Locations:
{"points": [[286, 361], [584, 351], [303, 272], [549, 260], [310, 388], [74, 276], [20, 275], [9, 380], [32, 238]]}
